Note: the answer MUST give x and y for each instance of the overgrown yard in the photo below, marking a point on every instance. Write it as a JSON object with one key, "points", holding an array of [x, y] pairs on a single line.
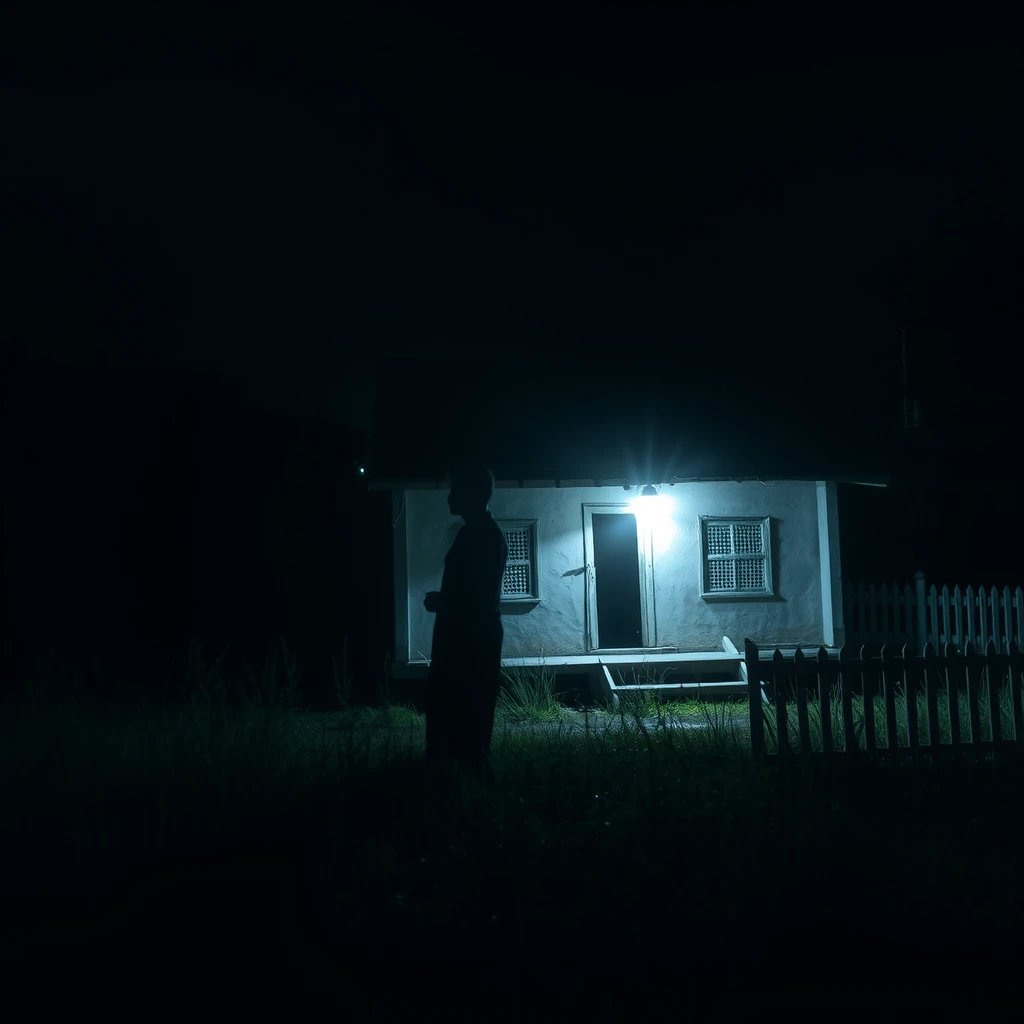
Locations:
{"points": [[614, 858]]}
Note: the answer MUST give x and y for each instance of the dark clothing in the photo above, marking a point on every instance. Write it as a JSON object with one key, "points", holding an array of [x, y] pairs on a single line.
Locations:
{"points": [[465, 657]]}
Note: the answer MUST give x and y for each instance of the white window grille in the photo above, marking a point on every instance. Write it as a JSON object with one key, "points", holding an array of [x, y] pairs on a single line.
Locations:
{"points": [[520, 582], [736, 557]]}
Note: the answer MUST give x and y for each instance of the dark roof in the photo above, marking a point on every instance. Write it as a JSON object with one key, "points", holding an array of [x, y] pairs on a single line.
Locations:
{"points": [[606, 425]]}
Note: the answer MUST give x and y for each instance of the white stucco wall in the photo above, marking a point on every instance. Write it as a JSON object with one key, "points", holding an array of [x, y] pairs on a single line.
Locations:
{"points": [[683, 618]]}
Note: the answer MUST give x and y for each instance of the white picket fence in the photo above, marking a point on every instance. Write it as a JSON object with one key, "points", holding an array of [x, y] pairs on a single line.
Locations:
{"points": [[916, 615]]}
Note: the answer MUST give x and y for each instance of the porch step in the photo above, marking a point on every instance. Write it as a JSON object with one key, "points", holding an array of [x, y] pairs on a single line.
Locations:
{"points": [[736, 684], [610, 690], [589, 660]]}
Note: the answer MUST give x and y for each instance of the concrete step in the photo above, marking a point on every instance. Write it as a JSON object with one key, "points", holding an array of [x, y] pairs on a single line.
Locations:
{"points": [[599, 658], [736, 684]]}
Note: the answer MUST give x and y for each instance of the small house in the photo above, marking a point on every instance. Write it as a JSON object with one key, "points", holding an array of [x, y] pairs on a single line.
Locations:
{"points": [[630, 550]]}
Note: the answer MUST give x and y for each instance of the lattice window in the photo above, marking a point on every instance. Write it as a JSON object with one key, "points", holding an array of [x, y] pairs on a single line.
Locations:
{"points": [[736, 557], [520, 580]]}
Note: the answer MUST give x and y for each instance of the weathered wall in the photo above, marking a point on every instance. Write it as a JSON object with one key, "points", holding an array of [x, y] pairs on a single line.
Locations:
{"points": [[684, 619]]}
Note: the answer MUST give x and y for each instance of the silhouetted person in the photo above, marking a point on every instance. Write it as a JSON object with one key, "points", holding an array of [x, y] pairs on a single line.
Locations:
{"points": [[465, 657]]}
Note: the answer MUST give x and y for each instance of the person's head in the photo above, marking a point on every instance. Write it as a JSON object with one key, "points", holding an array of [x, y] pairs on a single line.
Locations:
{"points": [[471, 489]]}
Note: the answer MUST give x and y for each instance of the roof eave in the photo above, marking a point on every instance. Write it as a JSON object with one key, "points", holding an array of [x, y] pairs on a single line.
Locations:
{"points": [[421, 483]]}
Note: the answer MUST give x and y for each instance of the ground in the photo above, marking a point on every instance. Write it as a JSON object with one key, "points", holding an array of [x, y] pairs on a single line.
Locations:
{"points": [[611, 861]]}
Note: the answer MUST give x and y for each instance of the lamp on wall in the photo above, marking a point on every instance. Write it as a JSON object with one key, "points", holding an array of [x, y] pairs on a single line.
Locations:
{"points": [[654, 513]]}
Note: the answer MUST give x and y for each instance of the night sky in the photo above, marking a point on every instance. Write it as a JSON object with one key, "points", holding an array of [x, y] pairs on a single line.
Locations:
{"points": [[748, 209], [718, 191]]}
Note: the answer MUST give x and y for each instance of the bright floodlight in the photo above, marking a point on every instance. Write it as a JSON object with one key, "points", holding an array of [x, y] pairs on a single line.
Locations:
{"points": [[653, 512]]}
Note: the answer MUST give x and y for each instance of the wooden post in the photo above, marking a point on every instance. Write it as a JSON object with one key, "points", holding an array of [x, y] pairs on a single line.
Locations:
{"points": [[922, 621], [753, 664]]}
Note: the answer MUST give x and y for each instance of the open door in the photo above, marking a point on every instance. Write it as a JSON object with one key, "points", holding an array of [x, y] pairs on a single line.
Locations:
{"points": [[620, 579]]}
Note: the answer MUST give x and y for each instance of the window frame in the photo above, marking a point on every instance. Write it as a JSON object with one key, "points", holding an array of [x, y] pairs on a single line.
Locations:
{"points": [[531, 526], [766, 557]]}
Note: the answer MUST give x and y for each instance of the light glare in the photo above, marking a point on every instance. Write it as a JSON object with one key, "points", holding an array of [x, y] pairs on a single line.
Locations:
{"points": [[656, 514]]}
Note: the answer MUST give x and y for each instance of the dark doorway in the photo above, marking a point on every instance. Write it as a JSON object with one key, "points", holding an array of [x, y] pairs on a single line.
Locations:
{"points": [[617, 579]]}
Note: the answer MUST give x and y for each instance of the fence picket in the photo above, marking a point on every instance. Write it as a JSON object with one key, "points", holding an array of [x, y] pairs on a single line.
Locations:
{"points": [[825, 700], [753, 662], [932, 677], [889, 671], [893, 670], [910, 688], [971, 677], [1013, 666], [994, 678], [850, 744], [868, 689], [883, 614], [803, 721], [781, 724], [954, 666]]}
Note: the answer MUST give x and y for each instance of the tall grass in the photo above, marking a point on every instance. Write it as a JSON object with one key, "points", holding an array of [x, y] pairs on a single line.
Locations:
{"points": [[722, 724], [603, 835], [528, 694]]}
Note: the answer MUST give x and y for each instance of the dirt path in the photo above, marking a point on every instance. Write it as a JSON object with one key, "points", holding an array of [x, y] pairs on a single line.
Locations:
{"points": [[574, 723]]}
